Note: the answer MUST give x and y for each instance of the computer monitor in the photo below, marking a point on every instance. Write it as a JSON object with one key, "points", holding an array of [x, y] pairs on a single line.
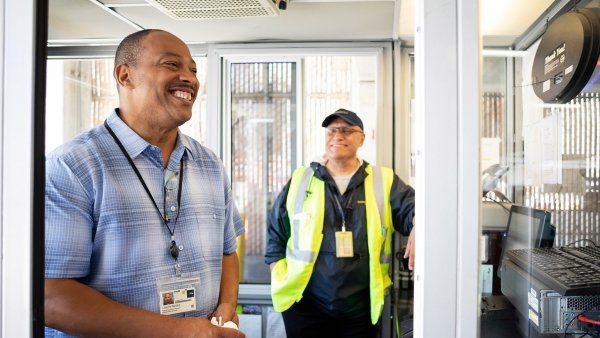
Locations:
{"points": [[527, 228]]}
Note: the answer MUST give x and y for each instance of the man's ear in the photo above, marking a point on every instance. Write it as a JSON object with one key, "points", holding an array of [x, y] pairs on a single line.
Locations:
{"points": [[123, 76]]}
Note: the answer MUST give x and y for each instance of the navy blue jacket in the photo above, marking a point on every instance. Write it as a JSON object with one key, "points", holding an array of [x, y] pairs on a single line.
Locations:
{"points": [[340, 286]]}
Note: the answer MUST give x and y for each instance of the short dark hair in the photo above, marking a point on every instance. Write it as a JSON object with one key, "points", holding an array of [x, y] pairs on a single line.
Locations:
{"points": [[128, 51]]}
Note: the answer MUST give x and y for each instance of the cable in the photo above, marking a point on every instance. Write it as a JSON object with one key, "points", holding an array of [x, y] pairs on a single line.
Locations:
{"points": [[584, 319], [576, 316], [528, 84], [591, 334], [581, 240]]}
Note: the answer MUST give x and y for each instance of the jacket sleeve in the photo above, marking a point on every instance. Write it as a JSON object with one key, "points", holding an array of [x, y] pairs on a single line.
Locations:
{"points": [[278, 231], [402, 201]]}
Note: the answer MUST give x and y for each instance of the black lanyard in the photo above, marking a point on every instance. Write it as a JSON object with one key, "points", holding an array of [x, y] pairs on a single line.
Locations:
{"points": [[341, 211], [173, 249], [338, 205]]}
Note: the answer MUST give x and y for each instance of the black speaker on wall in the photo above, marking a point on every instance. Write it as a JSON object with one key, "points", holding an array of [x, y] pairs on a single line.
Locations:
{"points": [[566, 61]]}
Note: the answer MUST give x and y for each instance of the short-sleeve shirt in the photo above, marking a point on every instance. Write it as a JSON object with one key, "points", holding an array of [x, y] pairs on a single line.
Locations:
{"points": [[103, 230]]}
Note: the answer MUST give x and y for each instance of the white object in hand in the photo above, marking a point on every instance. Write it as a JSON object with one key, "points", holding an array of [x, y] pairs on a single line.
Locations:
{"points": [[230, 325], [219, 322]]}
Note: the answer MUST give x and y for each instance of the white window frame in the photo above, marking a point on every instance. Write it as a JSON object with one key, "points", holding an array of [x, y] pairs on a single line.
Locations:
{"points": [[228, 60]]}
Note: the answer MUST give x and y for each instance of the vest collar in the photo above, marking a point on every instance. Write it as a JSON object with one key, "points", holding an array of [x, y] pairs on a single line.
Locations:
{"points": [[356, 180]]}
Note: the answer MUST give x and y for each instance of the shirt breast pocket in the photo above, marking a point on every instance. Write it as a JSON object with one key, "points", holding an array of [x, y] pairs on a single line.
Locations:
{"points": [[211, 233]]}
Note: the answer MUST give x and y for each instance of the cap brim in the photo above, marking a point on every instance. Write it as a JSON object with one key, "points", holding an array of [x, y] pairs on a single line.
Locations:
{"points": [[334, 116]]}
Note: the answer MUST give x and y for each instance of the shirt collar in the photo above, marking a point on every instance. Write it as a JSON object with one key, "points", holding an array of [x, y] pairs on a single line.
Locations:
{"points": [[184, 140], [181, 149], [322, 173], [135, 145]]}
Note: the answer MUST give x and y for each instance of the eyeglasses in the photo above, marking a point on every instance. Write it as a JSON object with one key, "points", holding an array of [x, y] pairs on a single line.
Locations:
{"points": [[346, 131]]}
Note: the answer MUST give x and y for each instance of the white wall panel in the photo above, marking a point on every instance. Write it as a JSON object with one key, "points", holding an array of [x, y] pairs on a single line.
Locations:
{"points": [[447, 174], [17, 88]]}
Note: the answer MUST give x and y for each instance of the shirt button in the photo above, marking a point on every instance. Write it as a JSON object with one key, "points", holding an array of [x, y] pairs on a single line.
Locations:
{"points": [[168, 198], [181, 247], [173, 208], [214, 216]]}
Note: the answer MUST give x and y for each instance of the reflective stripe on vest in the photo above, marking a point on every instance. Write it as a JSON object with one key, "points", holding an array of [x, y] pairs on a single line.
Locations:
{"points": [[378, 190], [306, 255]]}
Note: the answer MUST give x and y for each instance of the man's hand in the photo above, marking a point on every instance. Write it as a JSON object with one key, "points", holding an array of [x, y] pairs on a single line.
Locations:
{"points": [[272, 266], [202, 328], [227, 313], [223, 332], [410, 249]]}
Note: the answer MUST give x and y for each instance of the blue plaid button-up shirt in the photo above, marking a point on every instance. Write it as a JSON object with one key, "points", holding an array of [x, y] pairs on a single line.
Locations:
{"points": [[103, 230]]}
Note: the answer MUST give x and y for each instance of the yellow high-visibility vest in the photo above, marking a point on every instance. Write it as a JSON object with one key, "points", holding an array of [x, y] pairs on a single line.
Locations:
{"points": [[305, 207]]}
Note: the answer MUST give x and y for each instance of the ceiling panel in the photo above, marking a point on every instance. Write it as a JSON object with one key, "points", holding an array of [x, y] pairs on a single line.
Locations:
{"points": [[301, 21], [82, 19], [310, 20]]}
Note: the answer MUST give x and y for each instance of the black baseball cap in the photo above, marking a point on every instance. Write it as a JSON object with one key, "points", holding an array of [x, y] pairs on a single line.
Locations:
{"points": [[345, 115]]}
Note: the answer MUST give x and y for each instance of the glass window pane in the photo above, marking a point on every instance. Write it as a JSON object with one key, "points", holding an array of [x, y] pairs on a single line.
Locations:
{"points": [[196, 126], [561, 162], [263, 148], [493, 132], [546, 263], [333, 82]]}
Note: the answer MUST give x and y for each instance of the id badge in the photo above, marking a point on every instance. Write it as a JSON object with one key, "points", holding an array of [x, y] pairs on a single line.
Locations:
{"points": [[177, 295], [343, 244]]}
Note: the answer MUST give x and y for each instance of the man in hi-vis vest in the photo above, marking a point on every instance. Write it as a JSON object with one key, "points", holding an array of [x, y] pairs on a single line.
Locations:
{"points": [[329, 238]]}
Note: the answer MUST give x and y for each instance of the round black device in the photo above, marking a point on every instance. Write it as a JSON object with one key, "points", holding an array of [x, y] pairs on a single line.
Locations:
{"points": [[567, 56]]}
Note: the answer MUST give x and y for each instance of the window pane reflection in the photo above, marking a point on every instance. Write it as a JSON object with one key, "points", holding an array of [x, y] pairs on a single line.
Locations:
{"points": [[263, 148]]}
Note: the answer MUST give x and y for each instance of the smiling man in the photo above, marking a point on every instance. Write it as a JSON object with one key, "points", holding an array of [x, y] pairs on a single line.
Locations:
{"points": [[329, 238], [136, 210]]}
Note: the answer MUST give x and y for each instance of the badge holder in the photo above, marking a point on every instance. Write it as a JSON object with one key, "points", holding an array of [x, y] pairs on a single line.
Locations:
{"points": [[344, 247], [177, 294]]}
